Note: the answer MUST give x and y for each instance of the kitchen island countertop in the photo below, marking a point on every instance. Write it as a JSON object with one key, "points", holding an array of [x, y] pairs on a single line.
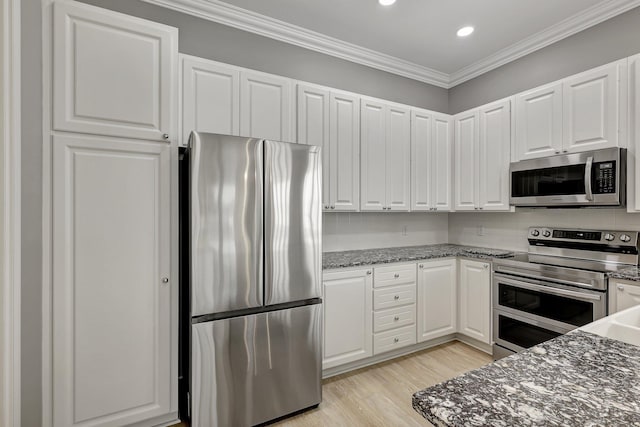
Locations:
{"points": [[578, 379]]}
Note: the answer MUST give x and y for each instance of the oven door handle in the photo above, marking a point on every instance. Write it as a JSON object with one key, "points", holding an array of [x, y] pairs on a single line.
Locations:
{"points": [[587, 178], [538, 286]]}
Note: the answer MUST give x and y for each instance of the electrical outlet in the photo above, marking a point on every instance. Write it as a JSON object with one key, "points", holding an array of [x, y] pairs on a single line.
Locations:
{"points": [[480, 230]]}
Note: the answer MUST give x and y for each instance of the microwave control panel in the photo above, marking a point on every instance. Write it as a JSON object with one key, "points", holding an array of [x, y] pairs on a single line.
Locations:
{"points": [[605, 177]]}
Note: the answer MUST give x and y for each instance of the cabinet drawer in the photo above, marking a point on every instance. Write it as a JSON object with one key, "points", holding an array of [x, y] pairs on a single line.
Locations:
{"points": [[394, 275], [396, 338], [394, 297], [394, 318]]}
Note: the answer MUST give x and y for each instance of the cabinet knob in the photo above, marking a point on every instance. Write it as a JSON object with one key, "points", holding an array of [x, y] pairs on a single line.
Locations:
{"points": [[396, 275], [565, 151], [396, 318], [333, 207], [368, 272], [165, 136], [396, 297], [620, 288], [396, 340], [557, 151], [165, 280], [486, 266], [420, 265]]}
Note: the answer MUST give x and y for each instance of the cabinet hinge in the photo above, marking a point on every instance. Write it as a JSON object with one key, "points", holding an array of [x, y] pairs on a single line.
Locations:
{"points": [[188, 405]]}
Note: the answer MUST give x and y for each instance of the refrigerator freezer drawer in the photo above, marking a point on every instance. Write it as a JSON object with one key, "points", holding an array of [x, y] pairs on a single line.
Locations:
{"points": [[251, 369]]}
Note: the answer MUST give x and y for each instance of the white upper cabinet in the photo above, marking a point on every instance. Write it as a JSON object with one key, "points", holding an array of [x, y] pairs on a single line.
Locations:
{"points": [[114, 324], [633, 159], [594, 106], [113, 74], [373, 156], [431, 160], [385, 156], [494, 156], [210, 96], [538, 122], [437, 299], [344, 166], [266, 106], [466, 160]]}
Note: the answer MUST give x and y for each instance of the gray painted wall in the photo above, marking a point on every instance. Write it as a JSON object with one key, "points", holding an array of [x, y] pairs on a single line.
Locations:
{"points": [[608, 41], [225, 44]]}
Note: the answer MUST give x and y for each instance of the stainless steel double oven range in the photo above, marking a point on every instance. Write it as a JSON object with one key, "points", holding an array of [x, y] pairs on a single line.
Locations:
{"points": [[559, 285]]}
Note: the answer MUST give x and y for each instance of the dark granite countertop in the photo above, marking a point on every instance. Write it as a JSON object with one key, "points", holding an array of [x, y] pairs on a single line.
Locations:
{"points": [[341, 259], [631, 273], [578, 379]]}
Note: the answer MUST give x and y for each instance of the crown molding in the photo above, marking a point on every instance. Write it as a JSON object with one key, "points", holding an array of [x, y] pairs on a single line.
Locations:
{"points": [[568, 27], [224, 13], [236, 17]]}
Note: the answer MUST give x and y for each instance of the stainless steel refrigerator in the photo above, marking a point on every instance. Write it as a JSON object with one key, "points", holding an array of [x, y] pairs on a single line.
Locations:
{"points": [[255, 279]]}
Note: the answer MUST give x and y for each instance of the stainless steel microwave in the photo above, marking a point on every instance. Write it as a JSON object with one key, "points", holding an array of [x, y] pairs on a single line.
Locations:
{"points": [[589, 179]]}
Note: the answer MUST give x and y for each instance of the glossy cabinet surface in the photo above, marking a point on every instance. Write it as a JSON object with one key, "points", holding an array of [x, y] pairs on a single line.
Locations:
{"points": [[467, 130], [494, 148], [437, 299], [474, 287], [266, 106]]}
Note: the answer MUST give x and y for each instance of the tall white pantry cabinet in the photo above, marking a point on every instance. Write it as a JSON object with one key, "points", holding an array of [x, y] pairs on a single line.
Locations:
{"points": [[113, 163]]}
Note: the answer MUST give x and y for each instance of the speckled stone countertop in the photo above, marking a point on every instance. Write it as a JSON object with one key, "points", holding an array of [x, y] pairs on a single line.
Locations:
{"points": [[343, 259], [631, 273], [578, 379]]}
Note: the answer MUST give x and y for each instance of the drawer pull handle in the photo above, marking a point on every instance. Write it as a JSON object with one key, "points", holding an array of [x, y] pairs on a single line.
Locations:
{"points": [[396, 297], [396, 275], [396, 318], [395, 340]]}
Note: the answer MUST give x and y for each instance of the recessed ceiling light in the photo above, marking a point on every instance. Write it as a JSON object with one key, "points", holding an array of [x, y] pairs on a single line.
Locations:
{"points": [[386, 2], [465, 31]]}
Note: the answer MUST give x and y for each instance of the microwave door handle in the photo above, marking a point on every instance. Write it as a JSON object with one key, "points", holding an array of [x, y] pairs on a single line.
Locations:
{"points": [[587, 178]]}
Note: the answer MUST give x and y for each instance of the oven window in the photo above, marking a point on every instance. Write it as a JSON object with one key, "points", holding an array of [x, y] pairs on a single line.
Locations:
{"points": [[562, 309], [555, 181], [523, 334]]}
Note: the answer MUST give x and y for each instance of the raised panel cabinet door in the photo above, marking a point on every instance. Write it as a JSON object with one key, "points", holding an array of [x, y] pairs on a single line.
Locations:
{"points": [[421, 160], [475, 300], [539, 122], [398, 158], [113, 74], [345, 152], [466, 161], [627, 296], [494, 156], [633, 157], [313, 129], [372, 156], [210, 98], [592, 108], [265, 106], [112, 322], [437, 299], [442, 163], [348, 318]]}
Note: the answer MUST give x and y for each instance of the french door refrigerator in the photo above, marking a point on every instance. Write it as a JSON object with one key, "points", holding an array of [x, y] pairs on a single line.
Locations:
{"points": [[255, 275]]}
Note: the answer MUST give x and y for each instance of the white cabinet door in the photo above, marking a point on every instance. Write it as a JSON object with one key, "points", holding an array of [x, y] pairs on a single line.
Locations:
{"points": [[539, 122], [345, 152], [437, 299], [475, 300], [422, 150], [113, 74], [210, 97], [373, 155], [593, 108], [494, 156], [398, 158], [313, 129], [348, 320], [113, 325], [265, 106], [626, 295], [441, 166], [633, 153], [466, 170]]}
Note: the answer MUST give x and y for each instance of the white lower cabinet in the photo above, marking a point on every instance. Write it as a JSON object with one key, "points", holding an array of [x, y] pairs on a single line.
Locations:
{"points": [[347, 317], [437, 299], [113, 302], [474, 303], [622, 295]]}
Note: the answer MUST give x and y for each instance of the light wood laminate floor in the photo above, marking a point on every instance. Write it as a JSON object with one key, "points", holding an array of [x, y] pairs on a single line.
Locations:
{"points": [[380, 395]]}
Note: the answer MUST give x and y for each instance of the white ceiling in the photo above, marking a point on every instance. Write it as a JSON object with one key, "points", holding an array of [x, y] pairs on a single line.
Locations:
{"points": [[414, 38]]}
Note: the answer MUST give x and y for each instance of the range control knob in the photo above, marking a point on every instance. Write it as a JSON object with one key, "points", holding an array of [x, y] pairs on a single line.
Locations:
{"points": [[609, 237], [535, 233], [546, 233], [625, 237]]}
